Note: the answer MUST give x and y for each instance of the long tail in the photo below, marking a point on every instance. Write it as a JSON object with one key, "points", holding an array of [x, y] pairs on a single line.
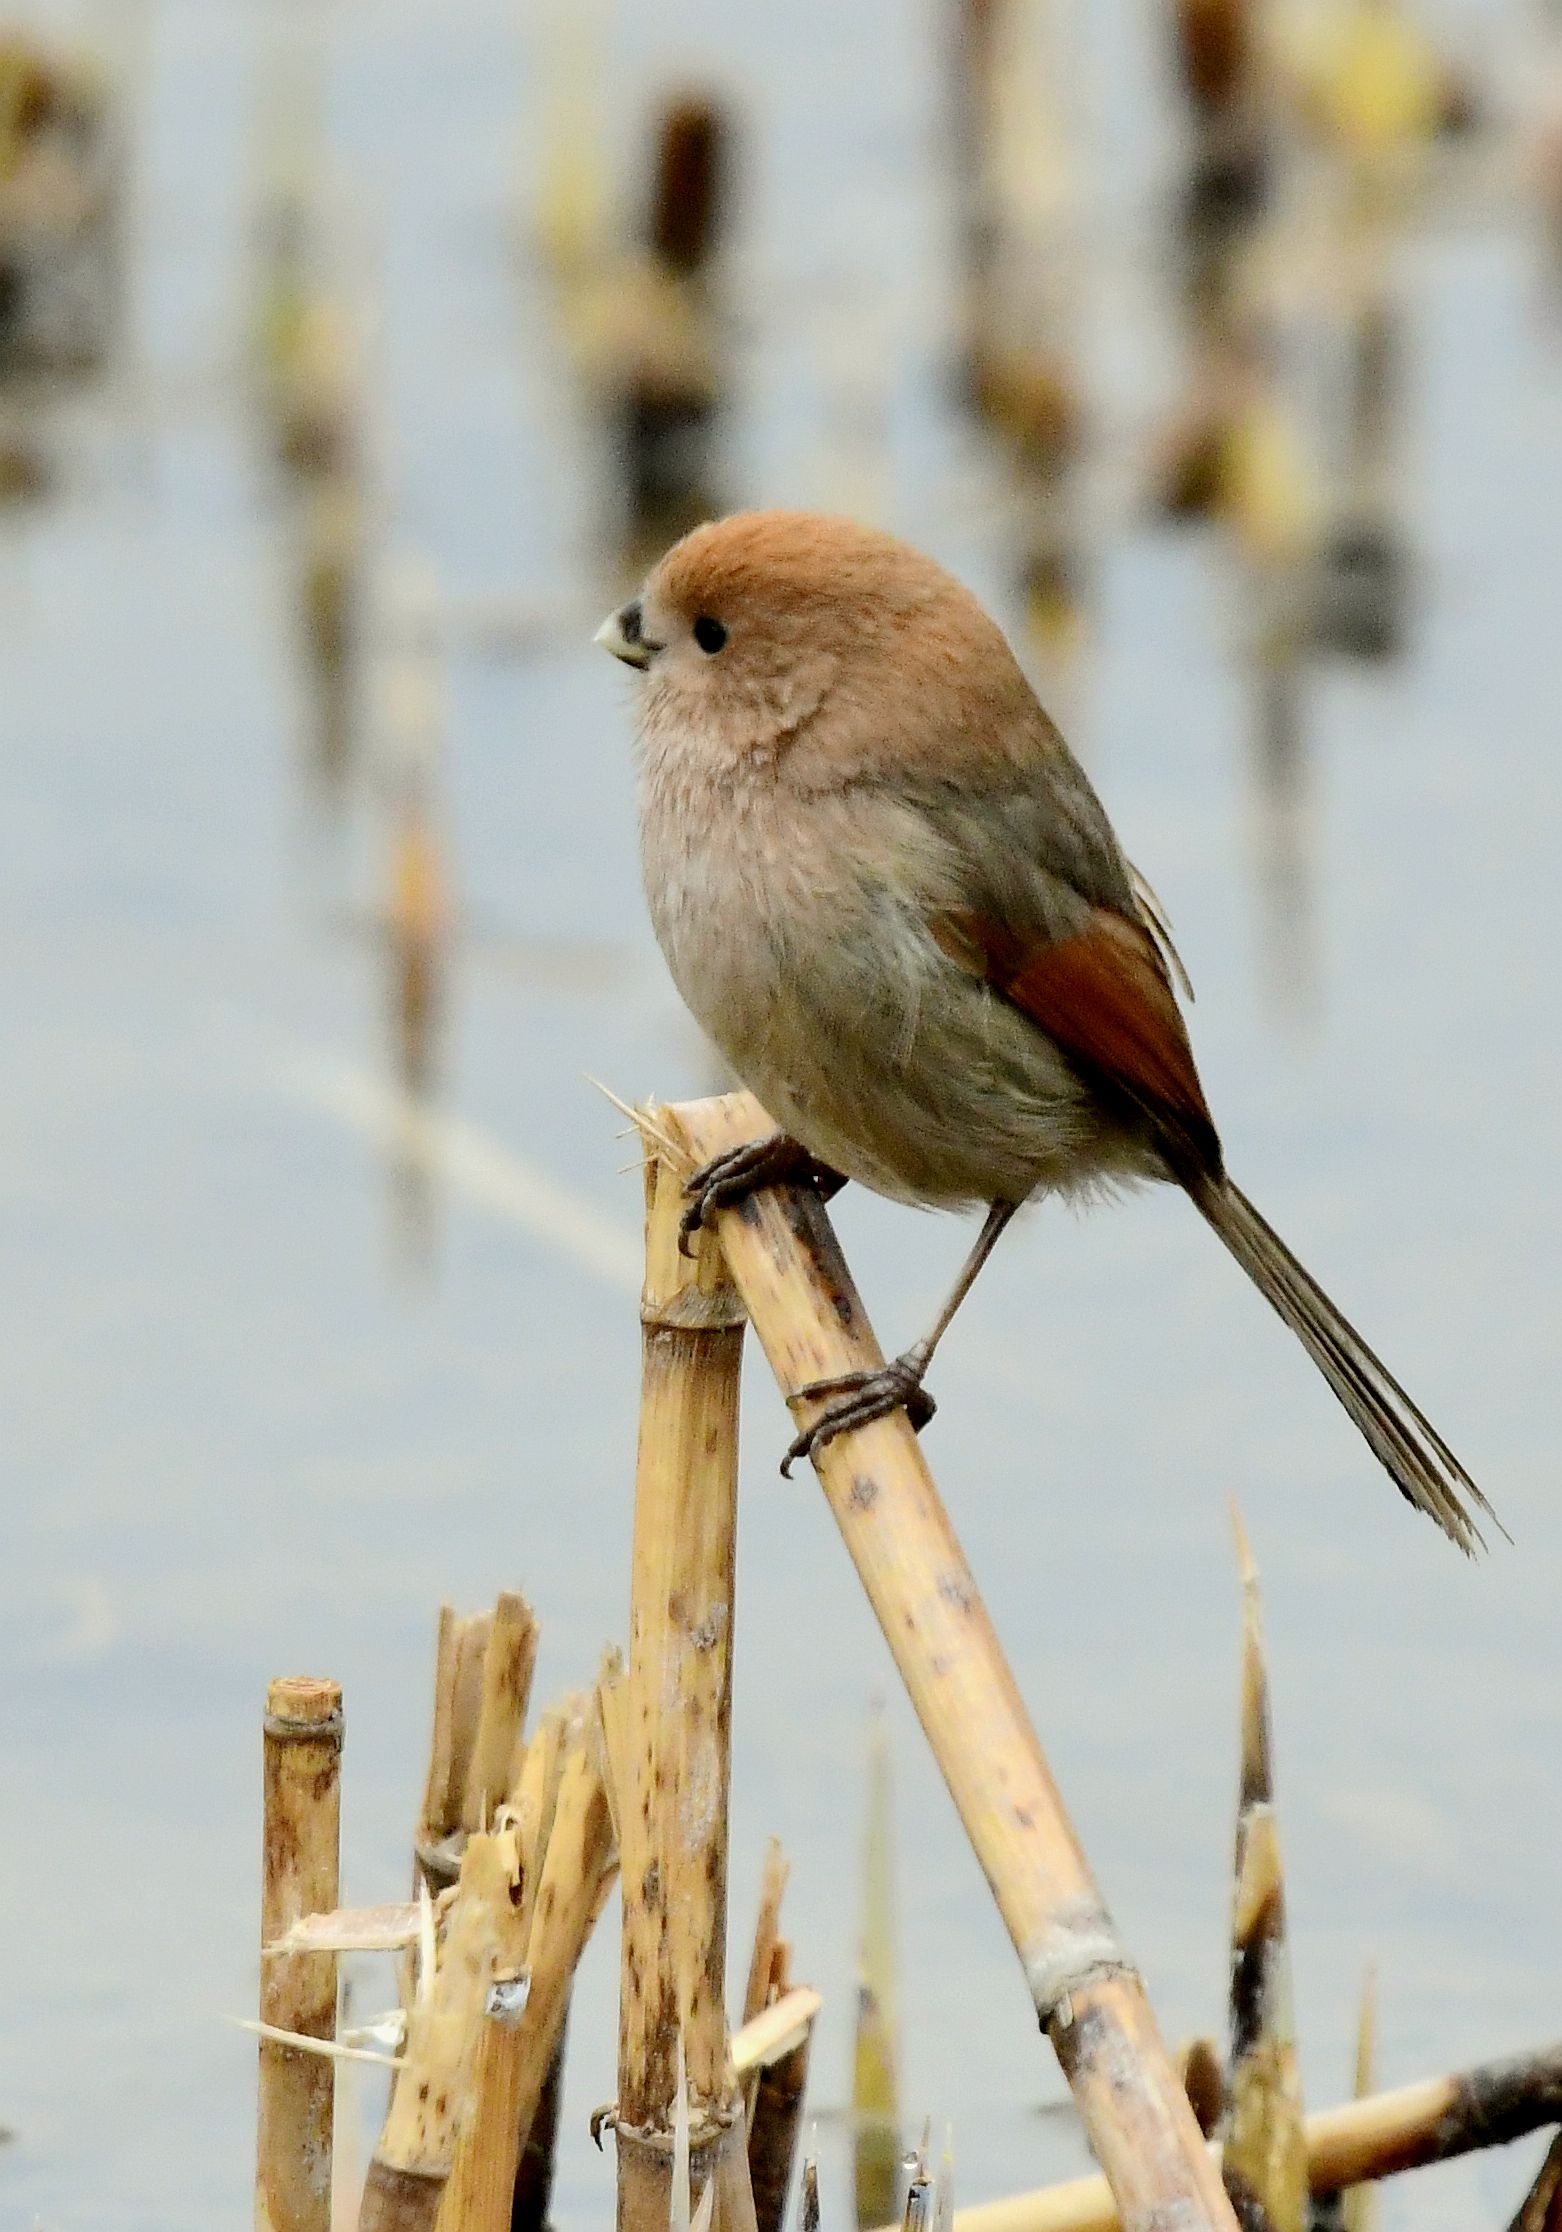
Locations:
{"points": [[1417, 1459]]}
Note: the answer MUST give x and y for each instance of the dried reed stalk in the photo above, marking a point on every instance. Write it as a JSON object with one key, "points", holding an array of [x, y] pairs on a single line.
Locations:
{"points": [[483, 1667], [672, 1784], [1359, 2204], [458, 1695], [758, 1990], [1433, 2121], [434, 2088], [772, 2090], [563, 1887], [1264, 2163], [302, 1819], [777, 2112], [789, 1270], [876, 2148], [611, 1712], [534, 2171]]}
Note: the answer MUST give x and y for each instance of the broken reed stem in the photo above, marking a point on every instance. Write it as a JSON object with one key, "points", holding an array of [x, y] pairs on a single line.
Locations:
{"points": [[672, 1791], [460, 1655], [772, 2091], [1433, 2121], [776, 2113], [757, 1991], [772, 2150], [433, 1820], [1359, 2204], [302, 1819], [560, 1902], [1264, 2163], [433, 2093], [509, 1662], [483, 1667], [876, 2148], [788, 1268], [534, 2171]]}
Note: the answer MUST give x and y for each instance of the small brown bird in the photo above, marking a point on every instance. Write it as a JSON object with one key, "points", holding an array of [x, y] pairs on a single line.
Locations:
{"points": [[889, 894]]}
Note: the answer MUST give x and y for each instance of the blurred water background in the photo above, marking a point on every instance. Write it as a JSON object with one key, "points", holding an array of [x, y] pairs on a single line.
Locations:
{"points": [[316, 809]]}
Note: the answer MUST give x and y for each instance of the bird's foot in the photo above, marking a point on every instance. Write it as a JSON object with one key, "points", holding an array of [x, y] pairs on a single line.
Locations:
{"points": [[863, 1397], [775, 1160]]}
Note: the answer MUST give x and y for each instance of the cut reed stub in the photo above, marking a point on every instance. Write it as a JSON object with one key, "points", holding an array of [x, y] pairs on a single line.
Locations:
{"points": [[302, 1821], [672, 1781]]}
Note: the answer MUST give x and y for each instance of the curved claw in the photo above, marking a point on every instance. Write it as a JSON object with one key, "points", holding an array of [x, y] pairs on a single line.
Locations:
{"points": [[732, 1177], [710, 1188], [865, 1396], [693, 1218]]}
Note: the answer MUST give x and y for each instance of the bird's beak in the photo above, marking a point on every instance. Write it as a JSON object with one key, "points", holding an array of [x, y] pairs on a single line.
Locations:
{"points": [[621, 634]]}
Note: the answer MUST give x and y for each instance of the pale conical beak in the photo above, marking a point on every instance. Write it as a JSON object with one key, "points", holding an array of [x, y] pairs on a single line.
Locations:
{"points": [[620, 634]]}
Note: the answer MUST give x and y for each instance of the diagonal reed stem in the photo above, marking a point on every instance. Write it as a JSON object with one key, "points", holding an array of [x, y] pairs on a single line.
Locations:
{"points": [[788, 1268], [1435, 2120]]}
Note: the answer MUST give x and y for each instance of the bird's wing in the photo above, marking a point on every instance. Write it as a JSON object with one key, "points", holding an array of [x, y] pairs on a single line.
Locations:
{"points": [[1104, 995], [1033, 895]]}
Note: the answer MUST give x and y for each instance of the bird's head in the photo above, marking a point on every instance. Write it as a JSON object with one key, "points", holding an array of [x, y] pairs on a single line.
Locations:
{"points": [[752, 627]]}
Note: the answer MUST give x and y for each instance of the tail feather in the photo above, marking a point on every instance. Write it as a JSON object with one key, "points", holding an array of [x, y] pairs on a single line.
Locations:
{"points": [[1417, 1459]]}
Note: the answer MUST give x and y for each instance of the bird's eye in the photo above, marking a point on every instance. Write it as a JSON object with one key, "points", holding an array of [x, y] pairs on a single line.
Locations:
{"points": [[709, 634]]}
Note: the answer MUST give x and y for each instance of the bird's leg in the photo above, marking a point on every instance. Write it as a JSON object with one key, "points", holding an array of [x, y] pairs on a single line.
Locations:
{"points": [[865, 1396], [772, 1161]]}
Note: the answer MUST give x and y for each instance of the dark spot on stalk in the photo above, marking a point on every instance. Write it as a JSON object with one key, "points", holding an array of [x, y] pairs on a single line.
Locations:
{"points": [[952, 1588]]}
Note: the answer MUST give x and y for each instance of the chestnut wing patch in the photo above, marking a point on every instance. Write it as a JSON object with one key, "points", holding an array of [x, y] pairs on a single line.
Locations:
{"points": [[1104, 997]]}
